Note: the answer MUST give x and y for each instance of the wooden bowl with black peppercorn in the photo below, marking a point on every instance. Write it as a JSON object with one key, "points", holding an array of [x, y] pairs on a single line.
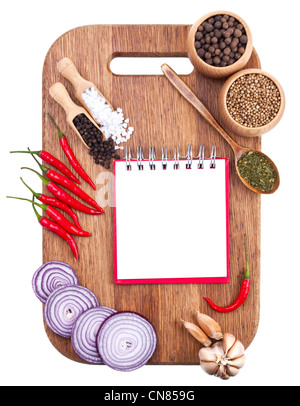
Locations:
{"points": [[219, 44], [251, 103]]}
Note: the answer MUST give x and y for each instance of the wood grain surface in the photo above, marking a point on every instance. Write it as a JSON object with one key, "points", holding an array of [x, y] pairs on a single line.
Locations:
{"points": [[161, 117]]}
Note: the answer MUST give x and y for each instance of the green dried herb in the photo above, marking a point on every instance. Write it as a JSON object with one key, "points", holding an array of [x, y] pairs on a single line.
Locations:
{"points": [[258, 171]]}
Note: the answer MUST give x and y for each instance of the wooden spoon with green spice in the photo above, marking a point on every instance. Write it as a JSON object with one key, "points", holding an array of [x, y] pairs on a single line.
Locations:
{"points": [[255, 169]]}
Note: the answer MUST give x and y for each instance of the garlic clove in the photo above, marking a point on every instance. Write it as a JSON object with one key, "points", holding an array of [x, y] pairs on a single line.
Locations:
{"points": [[228, 341], [225, 377], [218, 349], [213, 354], [221, 373], [207, 355], [236, 351], [237, 362], [197, 333], [232, 371], [209, 326], [210, 368]]}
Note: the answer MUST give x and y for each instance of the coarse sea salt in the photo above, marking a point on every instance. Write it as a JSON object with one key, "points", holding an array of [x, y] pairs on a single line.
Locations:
{"points": [[111, 121]]}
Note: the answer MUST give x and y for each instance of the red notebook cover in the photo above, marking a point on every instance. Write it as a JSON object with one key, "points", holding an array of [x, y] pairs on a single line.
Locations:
{"points": [[171, 226]]}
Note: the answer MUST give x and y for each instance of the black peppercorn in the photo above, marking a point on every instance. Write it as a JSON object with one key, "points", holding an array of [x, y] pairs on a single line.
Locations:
{"points": [[208, 27], [243, 39], [201, 52], [237, 33], [99, 148], [198, 35], [217, 60]]}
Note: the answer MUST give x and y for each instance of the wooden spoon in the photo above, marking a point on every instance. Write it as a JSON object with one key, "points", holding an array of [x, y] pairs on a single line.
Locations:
{"points": [[61, 95], [69, 71], [238, 150]]}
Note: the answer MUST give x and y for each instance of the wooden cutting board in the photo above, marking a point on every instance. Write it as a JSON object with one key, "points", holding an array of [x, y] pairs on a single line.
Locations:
{"points": [[161, 117]]}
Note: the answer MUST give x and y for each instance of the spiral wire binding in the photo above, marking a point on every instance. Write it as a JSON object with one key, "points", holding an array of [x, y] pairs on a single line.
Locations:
{"points": [[140, 158], [164, 158], [189, 156], [201, 157], [213, 157], [152, 158], [176, 158], [128, 158]]}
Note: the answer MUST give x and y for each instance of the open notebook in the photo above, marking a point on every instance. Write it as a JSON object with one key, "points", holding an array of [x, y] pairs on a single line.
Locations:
{"points": [[171, 221]]}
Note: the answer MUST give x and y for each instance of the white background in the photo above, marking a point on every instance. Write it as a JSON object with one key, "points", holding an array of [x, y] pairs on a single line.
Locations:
{"points": [[28, 29]]}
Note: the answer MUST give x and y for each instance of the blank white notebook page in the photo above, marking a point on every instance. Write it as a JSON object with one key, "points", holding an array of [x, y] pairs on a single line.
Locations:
{"points": [[171, 226]]}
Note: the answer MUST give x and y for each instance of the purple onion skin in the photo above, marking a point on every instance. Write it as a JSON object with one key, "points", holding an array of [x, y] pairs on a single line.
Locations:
{"points": [[50, 276], [118, 355], [84, 333], [64, 305]]}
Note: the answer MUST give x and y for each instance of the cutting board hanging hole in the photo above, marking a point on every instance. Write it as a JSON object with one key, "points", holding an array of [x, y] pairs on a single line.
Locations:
{"points": [[149, 66]]}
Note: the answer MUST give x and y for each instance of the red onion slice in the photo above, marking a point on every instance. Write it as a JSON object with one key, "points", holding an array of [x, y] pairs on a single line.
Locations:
{"points": [[50, 276], [85, 330], [64, 305], [126, 341]]}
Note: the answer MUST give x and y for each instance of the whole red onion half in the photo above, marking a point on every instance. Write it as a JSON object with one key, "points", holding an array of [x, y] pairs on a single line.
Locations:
{"points": [[50, 276], [126, 341], [84, 333], [64, 305]]}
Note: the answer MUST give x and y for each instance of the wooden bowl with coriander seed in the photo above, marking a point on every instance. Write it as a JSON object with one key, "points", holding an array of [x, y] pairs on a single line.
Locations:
{"points": [[251, 102], [219, 44]]}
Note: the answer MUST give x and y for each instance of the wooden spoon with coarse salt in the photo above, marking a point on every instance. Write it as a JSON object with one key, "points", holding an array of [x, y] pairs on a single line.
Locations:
{"points": [[238, 150], [69, 71]]}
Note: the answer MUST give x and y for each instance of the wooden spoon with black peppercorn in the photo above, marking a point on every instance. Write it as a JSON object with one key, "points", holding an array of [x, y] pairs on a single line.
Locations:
{"points": [[238, 150], [61, 95]]}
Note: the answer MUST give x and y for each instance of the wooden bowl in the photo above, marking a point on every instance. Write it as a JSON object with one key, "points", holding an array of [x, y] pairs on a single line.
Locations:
{"points": [[213, 71], [230, 124]]}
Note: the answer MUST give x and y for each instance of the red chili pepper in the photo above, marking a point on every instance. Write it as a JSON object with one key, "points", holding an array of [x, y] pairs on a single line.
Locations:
{"points": [[244, 291], [58, 217], [50, 159], [64, 196], [58, 230], [67, 183], [71, 157], [52, 201]]}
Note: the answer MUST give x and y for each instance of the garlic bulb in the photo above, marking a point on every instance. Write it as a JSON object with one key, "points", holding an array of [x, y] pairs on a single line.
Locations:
{"points": [[224, 359]]}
